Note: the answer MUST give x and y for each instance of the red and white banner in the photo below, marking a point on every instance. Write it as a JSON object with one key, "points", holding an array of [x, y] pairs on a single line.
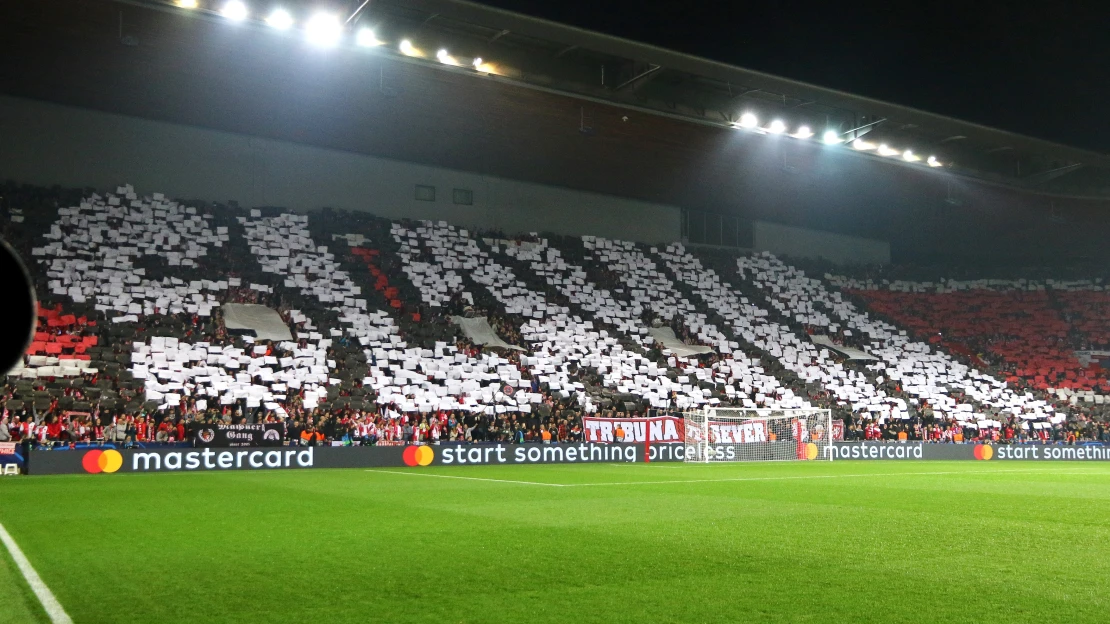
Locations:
{"points": [[732, 432], [738, 432], [660, 429]]}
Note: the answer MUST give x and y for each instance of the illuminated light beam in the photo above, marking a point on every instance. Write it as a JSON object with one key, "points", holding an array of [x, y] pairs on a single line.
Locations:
{"points": [[365, 38], [749, 121], [280, 19], [444, 57], [831, 137], [323, 30], [408, 49], [235, 11], [777, 127], [933, 162], [485, 67], [886, 150], [909, 156], [862, 145], [803, 133]]}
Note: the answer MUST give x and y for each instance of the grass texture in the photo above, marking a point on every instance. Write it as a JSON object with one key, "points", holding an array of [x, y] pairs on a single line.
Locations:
{"points": [[793, 542]]}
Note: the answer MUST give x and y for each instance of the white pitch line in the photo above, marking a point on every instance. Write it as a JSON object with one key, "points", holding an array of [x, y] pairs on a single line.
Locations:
{"points": [[441, 476], [46, 597], [727, 479], [792, 478]]}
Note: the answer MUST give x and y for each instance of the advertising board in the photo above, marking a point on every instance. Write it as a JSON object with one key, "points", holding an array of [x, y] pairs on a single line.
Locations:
{"points": [[106, 460]]}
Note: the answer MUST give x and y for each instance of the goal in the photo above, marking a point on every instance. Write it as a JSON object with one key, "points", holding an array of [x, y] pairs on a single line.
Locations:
{"points": [[740, 434]]}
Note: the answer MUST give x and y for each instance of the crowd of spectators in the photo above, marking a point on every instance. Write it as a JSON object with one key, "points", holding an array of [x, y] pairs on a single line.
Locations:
{"points": [[107, 406]]}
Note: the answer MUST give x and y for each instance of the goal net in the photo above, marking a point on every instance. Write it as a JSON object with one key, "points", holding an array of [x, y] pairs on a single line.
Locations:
{"points": [[738, 434]]}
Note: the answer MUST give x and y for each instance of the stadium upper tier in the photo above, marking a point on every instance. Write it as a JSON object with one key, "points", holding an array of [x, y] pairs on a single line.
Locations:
{"points": [[384, 315]]}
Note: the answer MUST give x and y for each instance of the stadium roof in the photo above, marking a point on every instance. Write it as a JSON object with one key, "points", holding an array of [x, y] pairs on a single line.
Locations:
{"points": [[571, 59], [152, 59]]}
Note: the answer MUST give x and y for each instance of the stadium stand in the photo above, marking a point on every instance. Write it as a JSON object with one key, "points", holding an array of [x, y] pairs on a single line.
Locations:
{"points": [[132, 347], [1027, 331]]}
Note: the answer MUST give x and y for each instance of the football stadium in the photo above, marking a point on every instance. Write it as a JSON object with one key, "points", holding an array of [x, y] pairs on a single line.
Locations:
{"points": [[430, 311]]}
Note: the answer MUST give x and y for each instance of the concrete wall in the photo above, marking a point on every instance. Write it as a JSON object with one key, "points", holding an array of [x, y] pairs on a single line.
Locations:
{"points": [[798, 242], [48, 144]]}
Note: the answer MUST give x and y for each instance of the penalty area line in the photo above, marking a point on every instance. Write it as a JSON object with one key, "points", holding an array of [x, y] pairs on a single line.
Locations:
{"points": [[53, 608], [441, 476]]}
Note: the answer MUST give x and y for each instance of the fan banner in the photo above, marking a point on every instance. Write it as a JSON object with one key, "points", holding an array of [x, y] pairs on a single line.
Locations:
{"points": [[733, 432], [657, 429], [260, 434]]}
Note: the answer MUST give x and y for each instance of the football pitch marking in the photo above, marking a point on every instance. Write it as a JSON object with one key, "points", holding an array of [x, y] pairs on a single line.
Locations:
{"points": [[731, 479], [42, 592], [427, 474], [834, 476]]}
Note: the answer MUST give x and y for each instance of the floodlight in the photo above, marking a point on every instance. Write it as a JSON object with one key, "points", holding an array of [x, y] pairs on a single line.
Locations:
{"points": [[803, 133], [933, 162], [235, 11], [860, 144], [280, 19], [407, 49], [187, 4], [323, 30], [748, 120], [367, 39], [477, 62], [909, 156], [886, 150], [444, 57], [831, 137], [777, 127]]}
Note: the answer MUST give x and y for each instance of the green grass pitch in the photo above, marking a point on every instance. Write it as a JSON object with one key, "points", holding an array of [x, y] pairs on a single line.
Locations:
{"points": [[792, 542]]}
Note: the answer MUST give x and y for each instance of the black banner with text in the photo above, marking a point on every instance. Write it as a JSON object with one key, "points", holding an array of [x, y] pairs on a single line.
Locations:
{"points": [[260, 434], [109, 460]]}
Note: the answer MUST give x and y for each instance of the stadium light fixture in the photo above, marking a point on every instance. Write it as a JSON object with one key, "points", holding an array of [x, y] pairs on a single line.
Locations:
{"points": [[477, 62], [407, 48], [886, 150], [909, 156], [831, 137], [367, 39], [235, 11], [748, 120], [444, 57], [187, 4], [323, 30], [803, 133], [280, 19], [777, 127], [861, 145], [933, 162]]}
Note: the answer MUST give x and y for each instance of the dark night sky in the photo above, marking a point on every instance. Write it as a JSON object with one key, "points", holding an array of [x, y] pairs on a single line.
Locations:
{"points": [[1037, 68]]}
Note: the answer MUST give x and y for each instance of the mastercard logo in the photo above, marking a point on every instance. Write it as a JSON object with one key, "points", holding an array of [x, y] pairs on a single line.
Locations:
{"points": [[983, 451], [418, 455], [811, 451], [102, 461]]}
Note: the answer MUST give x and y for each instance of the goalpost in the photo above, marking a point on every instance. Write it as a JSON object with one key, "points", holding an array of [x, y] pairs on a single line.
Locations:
{"points": [[719, 434]]}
